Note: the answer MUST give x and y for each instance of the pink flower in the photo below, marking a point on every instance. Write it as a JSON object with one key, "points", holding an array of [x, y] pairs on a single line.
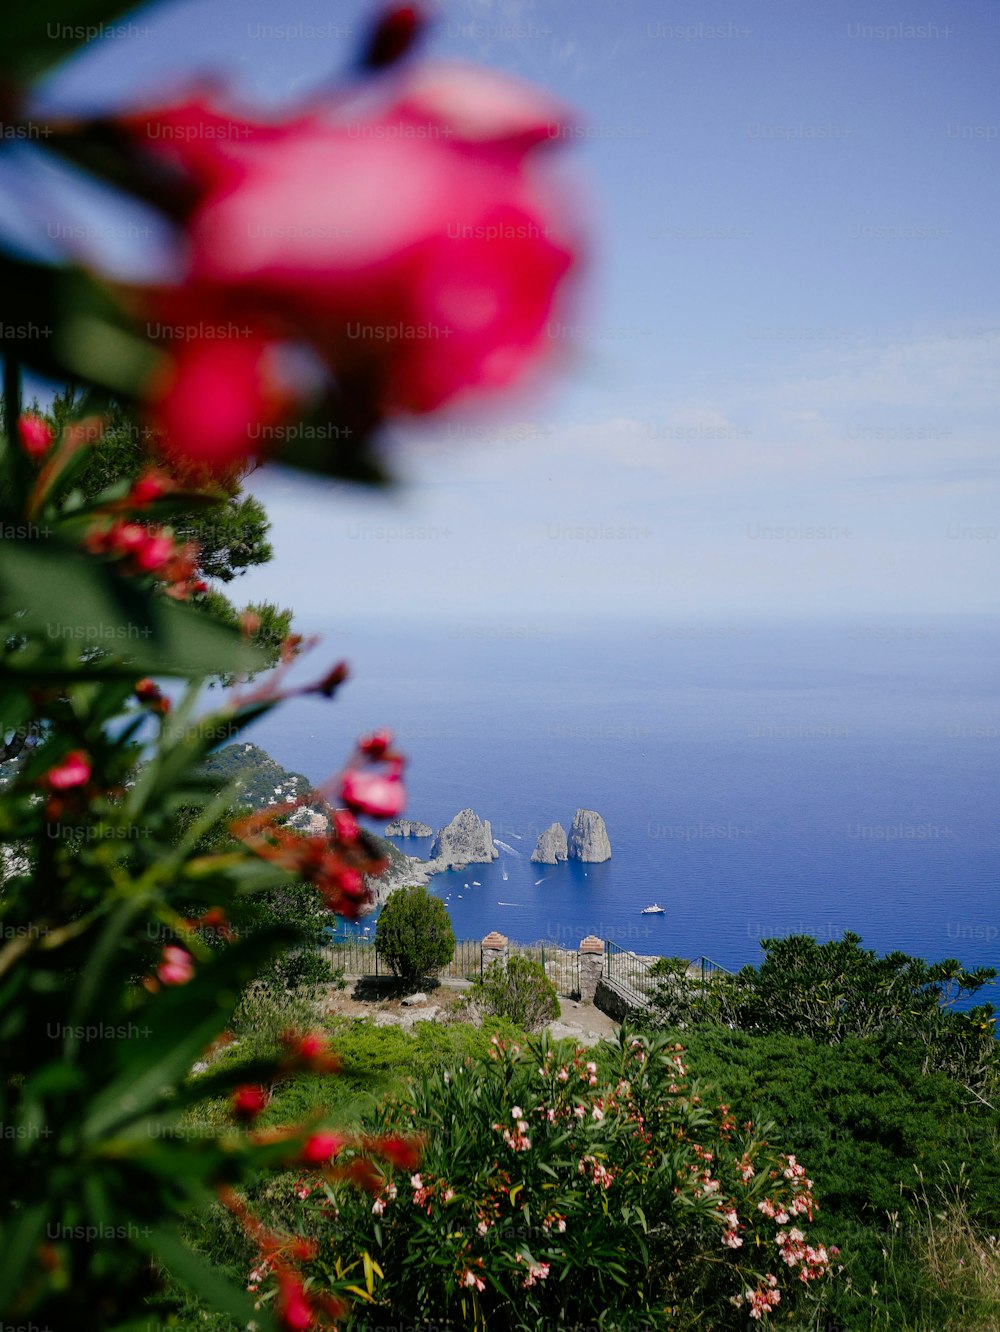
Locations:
{"points": [[74, 770], [417, 245], [404, 1153], [382, 796], [152, 485], [35, 435], [211, 398], [153, 553], [536, 1272], [177, 966], [294, 1312], [249, 1101], [320, 1147]]}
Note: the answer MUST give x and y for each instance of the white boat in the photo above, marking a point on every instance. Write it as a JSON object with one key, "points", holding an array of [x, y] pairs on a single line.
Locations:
{"points": [[504, 875], [654, 910], [476, 883]]}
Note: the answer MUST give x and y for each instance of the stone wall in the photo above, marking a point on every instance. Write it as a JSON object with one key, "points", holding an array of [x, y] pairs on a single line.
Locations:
{"points": [[616, 1001]]}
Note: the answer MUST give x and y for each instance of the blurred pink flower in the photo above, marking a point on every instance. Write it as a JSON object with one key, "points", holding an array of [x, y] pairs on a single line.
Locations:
{"points": [[417, 245], [380, 795], [211, 398], [74, 770], [35, 435], [177, 966]]}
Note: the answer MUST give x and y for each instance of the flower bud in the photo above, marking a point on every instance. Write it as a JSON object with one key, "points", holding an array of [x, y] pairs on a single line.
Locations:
{"points": [[177, 966], [35, 435], [248, 1102], [393, 37], [74, 770]]}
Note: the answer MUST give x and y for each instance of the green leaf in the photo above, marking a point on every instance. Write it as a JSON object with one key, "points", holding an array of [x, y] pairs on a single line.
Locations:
{"points": [[98, 962], [179, 1024], [86, 339], [36, 38], [70, 599], [170, 1251], [18, 1241]]}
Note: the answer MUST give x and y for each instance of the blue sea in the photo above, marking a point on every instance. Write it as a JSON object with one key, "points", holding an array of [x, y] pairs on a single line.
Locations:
{"points": [[756, 778]]}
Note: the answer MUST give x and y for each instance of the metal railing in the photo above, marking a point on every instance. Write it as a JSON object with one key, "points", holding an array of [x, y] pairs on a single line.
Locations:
{"points": [[708, 969], [466, 962], [627, 969], [360, 957], [561, 965]]}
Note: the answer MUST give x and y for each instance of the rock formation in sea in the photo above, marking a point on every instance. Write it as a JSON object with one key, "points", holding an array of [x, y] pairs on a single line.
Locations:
{"points": [[467, 840], [588, 837], [551, 846], [408, 828]]}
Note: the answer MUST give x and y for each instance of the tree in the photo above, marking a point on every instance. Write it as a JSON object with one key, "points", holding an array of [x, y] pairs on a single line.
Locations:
{"points": [[414, 934]]}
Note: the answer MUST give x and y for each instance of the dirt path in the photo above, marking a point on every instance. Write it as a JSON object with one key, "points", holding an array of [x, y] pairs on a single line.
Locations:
{"points": [[366, 997]]}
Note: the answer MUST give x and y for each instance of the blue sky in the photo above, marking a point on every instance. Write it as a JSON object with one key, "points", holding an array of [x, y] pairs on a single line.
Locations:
{"points": [[783, 389]]}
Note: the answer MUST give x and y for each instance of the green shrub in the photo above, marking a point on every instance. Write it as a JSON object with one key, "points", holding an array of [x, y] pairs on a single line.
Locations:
{"points": [[414, 935], [548, 1195], [518, 990], [836, 990], [864, 1114]]}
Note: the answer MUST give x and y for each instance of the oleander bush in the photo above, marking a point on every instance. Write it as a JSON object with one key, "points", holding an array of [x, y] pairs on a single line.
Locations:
{"points": [[550, 1193]]}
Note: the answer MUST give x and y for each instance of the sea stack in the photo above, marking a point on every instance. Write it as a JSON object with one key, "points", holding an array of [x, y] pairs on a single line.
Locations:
{"points": [[588, 837], [408, 828], [467, 840], [552, 846]]}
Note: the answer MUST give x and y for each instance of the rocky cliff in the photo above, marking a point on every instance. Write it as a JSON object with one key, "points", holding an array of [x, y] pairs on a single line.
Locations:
{"points": [[467, 840], [408, 828], [551, 846], [588, 837], [403, 872]]}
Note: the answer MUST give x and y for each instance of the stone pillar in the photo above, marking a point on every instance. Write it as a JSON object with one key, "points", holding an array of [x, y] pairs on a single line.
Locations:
{"points": [[493, 949], [591, 955]]}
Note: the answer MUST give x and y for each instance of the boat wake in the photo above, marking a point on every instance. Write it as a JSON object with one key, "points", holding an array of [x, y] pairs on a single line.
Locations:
{"points": [[507, 847], [509, 904]]}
